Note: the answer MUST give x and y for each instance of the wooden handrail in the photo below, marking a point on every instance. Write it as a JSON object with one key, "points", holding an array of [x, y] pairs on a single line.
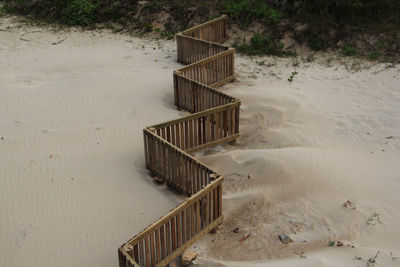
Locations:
{"points": [[176, 210], [235, 103], [206, 24], [205, 42], [167, 146], [206, 60]]}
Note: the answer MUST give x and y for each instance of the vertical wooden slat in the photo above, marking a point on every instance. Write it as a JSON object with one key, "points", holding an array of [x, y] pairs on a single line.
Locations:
{"points": [[225, 123], [215, 69], [195, 124], [193, 177], [211, 205], [233, 120], [178, 230], [207, 209], [216, 125], [183, 217], [188, 181], [204, 221], [204, 132], [147, 251], [173, 233], [145, 150], [178, 140], [168, 237], [190, 134], [168, 162], [192, 207], [179, 176], [151, 154], [220, 200], [188, 224], [136, 252], [212, 127], [198, 225], [161, 160], [152, 249], [198, 180], [182, 136], [199, 131], [209, 123], [163, 247], [237, 120], [158, 247], [141, 253], [221, 123]]}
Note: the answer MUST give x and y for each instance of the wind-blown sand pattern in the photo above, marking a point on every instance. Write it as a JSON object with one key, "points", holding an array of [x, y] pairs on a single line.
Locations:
{"points": [[215, 120], [306, 148]]}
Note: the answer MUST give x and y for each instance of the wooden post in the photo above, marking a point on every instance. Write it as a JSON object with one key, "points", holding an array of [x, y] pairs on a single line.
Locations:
{"points": [[163, 248], [158, 247]]}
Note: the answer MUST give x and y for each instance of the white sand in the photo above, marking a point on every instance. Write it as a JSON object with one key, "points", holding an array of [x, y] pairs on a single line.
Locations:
{"points": [[308, 147], [73, 183]]}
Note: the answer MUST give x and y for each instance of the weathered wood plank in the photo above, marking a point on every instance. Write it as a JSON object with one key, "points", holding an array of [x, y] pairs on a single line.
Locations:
{"points": [[158, 245]]}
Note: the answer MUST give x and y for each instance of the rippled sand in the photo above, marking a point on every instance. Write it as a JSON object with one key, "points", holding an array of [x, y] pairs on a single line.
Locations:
{"points": [[73, 185]]}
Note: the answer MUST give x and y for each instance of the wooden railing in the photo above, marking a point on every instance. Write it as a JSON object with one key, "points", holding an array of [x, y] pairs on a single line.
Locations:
{"points": [[213, 71], [167, 147], [202, 41], [164, 240], [194, 97], [200, 130], [211, 31], [180, 170]]}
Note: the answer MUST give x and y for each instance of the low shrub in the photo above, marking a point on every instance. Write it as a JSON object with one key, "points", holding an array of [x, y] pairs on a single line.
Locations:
{"points": [[349, 50], [79, 12], [374, 55], [316, 43], [260, 44], [247, 11]]}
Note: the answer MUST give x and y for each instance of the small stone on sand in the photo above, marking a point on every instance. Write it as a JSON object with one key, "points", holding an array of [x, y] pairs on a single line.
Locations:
{"points": [[285, 239], [188, 256]]}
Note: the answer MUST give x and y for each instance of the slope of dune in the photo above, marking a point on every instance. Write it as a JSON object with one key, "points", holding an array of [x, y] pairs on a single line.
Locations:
{"points": [[306, 148]]}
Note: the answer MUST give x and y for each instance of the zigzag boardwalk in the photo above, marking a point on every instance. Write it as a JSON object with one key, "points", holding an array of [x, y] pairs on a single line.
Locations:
{"points": [[215, 119]]}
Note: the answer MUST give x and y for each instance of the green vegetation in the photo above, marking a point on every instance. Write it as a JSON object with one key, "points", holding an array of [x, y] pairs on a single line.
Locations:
{"points": [[291, 77], [349, 50], [260, 44], [316, 43], [350, 12], [78, 12], [2, 11], [374, 55], [73, 12], [247, 11], [367, 28]]}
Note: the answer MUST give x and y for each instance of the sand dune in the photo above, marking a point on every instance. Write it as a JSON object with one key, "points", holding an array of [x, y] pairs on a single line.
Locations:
{"points": [[306, 148], [73, 183]]}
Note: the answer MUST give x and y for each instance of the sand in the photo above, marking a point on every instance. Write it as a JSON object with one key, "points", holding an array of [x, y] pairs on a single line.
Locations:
{"points": [[73, 185], [307, 147]]}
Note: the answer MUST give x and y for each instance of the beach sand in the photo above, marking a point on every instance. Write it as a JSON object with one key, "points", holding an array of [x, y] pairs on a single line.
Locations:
{"points": [[306, 148], [73, 184]]}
